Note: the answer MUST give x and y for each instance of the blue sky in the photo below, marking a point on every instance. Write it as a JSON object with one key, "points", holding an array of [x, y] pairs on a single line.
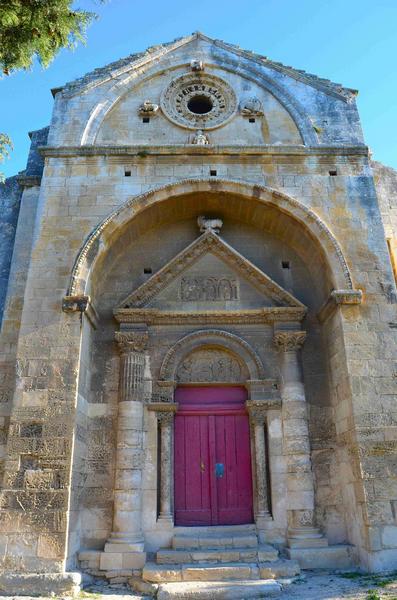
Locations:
{"points": [[353, 42]]}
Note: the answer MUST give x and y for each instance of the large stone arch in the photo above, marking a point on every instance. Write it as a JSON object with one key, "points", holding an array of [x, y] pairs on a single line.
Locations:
{"points": [[211, 338], [98, 243], [123, 87]]}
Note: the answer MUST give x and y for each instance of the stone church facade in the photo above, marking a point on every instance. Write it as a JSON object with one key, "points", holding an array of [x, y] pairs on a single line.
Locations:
{"points": [[199, 329]]}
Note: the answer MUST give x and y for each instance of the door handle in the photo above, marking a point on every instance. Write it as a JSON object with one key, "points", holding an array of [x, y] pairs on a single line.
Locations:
{"points": [[219, 470], [202, 467]]}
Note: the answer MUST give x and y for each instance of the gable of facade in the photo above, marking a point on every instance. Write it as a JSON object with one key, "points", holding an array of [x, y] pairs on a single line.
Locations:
{"points": [[203, 252]]}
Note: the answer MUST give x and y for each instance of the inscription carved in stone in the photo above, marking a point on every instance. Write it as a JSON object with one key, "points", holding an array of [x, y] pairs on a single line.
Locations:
{"points": [[210, 365], [201, 287]]}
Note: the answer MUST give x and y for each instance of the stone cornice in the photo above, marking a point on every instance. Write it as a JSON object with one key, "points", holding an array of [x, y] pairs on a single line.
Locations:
{"points": [[144, 151], [153, 316], [29, 180]]}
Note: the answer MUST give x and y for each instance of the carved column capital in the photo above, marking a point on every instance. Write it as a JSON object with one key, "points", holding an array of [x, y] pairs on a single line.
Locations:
{"points": [[165, 418], [288, 341], [257, 414], [132, 341]]}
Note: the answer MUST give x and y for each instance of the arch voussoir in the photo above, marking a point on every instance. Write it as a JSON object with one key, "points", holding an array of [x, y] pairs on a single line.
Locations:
{"points": [[100, 238]]}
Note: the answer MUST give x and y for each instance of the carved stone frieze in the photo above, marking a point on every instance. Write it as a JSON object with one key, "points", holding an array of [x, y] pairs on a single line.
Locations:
{"points": [[210, 365], [206, 288], [154, 316], [132, 341], [198, 100], [288, 341]]}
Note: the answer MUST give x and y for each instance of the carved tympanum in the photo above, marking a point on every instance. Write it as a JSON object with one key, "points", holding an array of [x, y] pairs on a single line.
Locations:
{"points": [[193, 289], [209, 365], [288, 341]]}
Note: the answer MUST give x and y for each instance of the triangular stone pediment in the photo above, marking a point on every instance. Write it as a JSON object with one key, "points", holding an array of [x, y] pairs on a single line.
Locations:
{"points": [[209, 275]]}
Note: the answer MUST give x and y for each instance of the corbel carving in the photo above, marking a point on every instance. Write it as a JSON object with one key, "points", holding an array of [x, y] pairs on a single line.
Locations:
{"points": [[251, 107], [288, 341], [148, 109], [197, 65], [83, 305], [75, 303], [338, 298]]}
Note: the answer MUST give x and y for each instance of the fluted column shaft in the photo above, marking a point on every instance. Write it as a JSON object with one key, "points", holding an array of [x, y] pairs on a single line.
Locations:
{"points": [[127, 515]]}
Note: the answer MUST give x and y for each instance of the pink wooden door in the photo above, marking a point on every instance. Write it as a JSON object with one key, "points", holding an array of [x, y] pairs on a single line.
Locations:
{"points": [[213, 482]]}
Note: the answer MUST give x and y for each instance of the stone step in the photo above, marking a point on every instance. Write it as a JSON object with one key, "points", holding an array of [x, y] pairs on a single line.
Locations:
{"points": [[276, 569], [261, 554], [201, 530], [199, 572], [219, 590], [339, 556], [215, 541]]}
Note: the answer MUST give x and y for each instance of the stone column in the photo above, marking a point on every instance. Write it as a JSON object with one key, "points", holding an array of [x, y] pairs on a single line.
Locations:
{"points": [[127, 534], [300, 484], [257, 416], [166, 422], [165, 416]]}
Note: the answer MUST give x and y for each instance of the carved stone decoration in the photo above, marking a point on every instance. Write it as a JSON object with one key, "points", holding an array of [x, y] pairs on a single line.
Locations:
{"points": [[148, 108], [251, 107], [75, 303], [196, 65], [209, 365], [132, 341], [209, 242], [206, 224], [257, 410], [288, 341], [198, 101], [200, 138], [202, 288]]}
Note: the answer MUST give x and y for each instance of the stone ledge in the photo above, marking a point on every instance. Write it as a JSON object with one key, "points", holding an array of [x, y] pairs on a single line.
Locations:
{"points": [[190, 149], [339, 556], [33, 584]]}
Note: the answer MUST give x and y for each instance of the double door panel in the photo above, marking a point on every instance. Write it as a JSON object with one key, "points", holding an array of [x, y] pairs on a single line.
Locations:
{"points": [[213, 482]]}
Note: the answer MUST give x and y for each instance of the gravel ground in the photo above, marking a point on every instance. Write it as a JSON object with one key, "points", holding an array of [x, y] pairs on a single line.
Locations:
{"points": [[313, 586]]}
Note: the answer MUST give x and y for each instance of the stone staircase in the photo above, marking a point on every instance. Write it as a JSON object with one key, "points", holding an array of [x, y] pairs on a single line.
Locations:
{"points": [[228, 561]]}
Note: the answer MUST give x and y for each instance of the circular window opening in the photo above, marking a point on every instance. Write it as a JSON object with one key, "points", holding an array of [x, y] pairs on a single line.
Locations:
{"points": [[200, 105]]}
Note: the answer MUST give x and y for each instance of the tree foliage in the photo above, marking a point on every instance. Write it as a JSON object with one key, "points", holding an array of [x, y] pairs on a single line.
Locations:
{"points": [[5, 148], [32, 29]]}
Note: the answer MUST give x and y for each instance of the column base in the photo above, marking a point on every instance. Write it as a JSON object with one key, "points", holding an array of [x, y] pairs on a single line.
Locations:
{"points": [[121, 558], [130, 543], [306, 537], [166, 521], [262, 519]]}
